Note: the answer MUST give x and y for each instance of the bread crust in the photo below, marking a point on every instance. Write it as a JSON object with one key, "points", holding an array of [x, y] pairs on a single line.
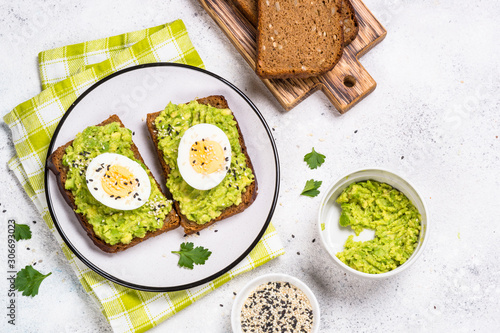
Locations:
{"points": [[55, 164], [247, 198]]}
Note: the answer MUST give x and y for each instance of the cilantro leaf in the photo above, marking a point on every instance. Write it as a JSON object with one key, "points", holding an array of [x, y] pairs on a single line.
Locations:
{"points": [[314, 159], [28, 281], [22, 231], [189, 255], [311, 188]]}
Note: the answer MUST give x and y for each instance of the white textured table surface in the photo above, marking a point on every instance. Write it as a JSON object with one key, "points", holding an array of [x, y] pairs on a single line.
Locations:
{"points": [[433, 119]]}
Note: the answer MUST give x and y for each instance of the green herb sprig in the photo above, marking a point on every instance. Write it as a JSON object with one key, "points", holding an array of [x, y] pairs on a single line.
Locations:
{"points": [[189, 255]]}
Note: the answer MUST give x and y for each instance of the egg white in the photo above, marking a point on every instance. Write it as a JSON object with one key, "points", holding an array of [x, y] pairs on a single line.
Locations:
{"points": [[197, 133], [97, 169]]}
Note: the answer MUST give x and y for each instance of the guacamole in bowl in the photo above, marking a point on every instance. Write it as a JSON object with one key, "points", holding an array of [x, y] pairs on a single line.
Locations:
{"points": [[381, 204]]}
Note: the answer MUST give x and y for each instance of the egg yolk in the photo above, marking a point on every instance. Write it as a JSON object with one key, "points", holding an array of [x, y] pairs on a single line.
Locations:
{"points": [[206, 156], [118, 181]]}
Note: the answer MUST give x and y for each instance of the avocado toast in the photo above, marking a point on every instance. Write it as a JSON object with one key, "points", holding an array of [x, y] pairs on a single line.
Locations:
{"points": [[118, 230], [240, 183]]}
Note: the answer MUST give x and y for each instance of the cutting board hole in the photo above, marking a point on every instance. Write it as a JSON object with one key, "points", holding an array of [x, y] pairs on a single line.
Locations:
{"points": [[349, 81]]}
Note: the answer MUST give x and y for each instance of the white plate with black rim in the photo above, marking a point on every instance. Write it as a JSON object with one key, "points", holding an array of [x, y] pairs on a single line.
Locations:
{"points": [[131, 94]]}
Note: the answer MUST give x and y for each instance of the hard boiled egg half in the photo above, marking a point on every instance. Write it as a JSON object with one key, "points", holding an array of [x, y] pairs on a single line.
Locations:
{"points": [[118, 182], [204, 156]]}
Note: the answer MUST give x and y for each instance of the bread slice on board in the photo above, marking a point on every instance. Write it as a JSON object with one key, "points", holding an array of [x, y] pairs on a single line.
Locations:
{"points": [[350, 23], [248, 197], [55, 164], [248, 8], [298, 38]]}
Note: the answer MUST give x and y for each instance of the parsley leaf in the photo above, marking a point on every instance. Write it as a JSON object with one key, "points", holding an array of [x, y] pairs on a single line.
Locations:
{"points": [[314, 159], [311, 188], [28, 281], [190, 254], [22, 231]]}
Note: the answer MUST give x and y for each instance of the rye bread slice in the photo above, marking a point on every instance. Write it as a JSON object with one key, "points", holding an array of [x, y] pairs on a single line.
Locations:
{"points": [[248, 8], [299, 38], [248, 197], [350, 23], [55, 164]]}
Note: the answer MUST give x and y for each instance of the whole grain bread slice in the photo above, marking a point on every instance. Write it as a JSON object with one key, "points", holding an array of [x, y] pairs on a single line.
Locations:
{"points": [[55, 164], [248, 8], [350, 23], [248, 196], [298, 38]]}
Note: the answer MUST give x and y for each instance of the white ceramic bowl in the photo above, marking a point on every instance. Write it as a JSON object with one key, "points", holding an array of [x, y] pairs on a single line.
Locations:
{"points": [[274, 277], [333, 236]]}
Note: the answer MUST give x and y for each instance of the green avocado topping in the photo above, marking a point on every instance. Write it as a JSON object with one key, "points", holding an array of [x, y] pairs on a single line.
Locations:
{"points": [[202, 206], [396, 221], [111, 225]]}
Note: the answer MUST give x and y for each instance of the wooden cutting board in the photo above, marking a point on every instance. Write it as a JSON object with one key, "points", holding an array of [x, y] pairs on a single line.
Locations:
{"points": [[345, 85]]}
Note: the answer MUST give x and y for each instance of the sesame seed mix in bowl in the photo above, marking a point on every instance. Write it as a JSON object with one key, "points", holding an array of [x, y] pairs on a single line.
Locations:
{"points": [[277, 307]]}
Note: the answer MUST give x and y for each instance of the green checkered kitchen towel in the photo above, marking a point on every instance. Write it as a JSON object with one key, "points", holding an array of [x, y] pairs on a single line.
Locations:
{"points": [[66, 73]]}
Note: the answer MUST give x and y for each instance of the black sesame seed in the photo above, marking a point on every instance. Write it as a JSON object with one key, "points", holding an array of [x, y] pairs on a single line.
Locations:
{"points": [[314, 240], [95, 188]]}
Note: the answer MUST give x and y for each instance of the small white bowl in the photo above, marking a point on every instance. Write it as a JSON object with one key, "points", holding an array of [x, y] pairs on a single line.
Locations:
{"points": [[333, 236], [274, 277]]}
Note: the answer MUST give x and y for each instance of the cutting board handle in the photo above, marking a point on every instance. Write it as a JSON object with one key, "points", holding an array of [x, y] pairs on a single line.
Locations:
{"points": [[347, 83]]}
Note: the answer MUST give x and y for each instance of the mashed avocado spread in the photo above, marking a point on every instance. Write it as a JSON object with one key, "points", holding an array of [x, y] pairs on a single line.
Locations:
{"points": [[396, 221], [202, 206], [111, 225]]}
